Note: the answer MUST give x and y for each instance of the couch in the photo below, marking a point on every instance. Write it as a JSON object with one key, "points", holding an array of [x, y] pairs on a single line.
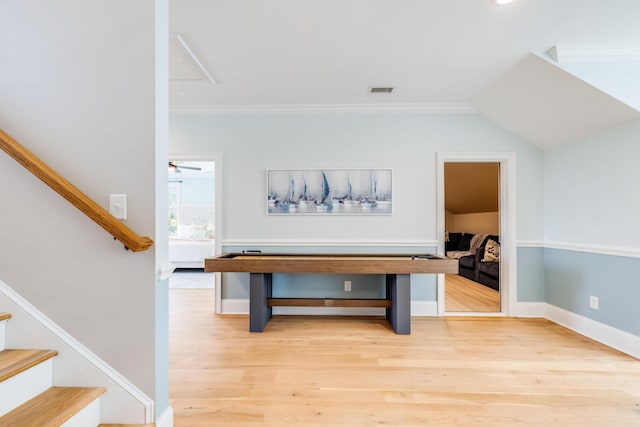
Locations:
{"points": [[473, 261]]}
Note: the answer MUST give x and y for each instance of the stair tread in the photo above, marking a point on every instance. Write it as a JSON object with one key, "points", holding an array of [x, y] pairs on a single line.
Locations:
{"points": [[13, 362], [51, 408], [4, 316]]}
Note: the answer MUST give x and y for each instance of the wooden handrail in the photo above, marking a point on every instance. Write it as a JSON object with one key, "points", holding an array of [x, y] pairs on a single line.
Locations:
{"points": [[76, 197]]}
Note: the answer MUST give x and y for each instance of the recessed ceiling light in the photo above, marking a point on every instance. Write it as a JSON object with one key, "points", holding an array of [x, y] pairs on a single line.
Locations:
{"points": [[501, 2]]}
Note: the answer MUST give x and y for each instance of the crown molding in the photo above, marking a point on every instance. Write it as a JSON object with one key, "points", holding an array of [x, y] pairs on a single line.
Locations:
{"points": [[594, 53], [423, 108]]}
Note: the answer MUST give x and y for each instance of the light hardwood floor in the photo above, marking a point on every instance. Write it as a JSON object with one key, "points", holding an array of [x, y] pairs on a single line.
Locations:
{"points": [[462, 294], [457, 371]]}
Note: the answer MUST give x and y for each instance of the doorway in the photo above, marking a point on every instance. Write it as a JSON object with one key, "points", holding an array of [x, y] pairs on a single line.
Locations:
{"points": [[472, 236], [486, 285], [192, 222]]}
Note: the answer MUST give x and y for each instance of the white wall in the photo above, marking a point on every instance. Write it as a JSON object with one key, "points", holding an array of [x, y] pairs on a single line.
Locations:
{"points": [[591, 190], [77, 89], [252, 143]]}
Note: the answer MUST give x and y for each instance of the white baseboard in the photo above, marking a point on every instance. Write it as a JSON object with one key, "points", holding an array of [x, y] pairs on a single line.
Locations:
{"points": [[531, 309], [166, 419], [424, 308], [234, 306], [605, 334]]}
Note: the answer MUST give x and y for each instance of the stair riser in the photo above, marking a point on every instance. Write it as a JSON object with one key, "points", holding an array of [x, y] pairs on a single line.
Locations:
{"points": [[2, 331], [88, 417], [24, 386]]}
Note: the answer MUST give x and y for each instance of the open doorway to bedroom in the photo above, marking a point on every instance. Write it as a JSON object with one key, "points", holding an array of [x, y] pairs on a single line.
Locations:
{"points": [[191, 222], [505, 266], [472, 235]]}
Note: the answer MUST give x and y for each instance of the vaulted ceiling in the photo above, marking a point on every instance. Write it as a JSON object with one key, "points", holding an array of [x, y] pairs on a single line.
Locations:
{"points": [[545, 70]]}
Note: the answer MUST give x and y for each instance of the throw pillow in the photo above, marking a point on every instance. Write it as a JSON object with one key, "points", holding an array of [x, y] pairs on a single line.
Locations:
{"points": [[491, 251]]}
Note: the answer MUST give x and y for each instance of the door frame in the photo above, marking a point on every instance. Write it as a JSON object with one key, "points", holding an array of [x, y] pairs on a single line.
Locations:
{"points": [[217, 159], [507, 210]]}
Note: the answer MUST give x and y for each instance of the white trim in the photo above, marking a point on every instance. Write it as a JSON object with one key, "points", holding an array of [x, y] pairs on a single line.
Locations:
{"points": [[531, 309], [605, 334], [427, 108], [594, 53], [595, 249], [166, 419], [508, 218], [530, 244], [234, 306], [165, 271], [475, 314], [81, 350], [327, 243], [424, 308], [189, 57]]}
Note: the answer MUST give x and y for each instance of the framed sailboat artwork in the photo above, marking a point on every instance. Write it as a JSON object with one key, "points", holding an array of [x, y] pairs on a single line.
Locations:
{"points": [[329, 192]]}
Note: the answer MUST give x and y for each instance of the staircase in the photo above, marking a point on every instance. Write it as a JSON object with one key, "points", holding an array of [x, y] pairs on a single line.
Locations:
{"points": [[29, 398]]}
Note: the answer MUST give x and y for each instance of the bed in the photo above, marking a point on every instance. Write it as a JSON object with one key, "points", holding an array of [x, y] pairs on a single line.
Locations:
{"points": [[190, 253]]}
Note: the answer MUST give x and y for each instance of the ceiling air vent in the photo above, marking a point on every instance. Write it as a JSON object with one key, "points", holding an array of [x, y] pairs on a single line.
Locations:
{"points": [[381, 90]]}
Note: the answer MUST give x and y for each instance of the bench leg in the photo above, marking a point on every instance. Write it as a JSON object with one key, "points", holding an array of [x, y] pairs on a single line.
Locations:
{"points": [[259, 291], [399, 291]]}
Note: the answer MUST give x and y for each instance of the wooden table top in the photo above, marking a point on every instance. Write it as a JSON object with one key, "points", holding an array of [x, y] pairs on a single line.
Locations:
{"points": [[331, 263]]}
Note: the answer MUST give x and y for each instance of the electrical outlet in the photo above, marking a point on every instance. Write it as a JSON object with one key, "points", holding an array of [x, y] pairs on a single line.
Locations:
{"points": [[593, 302], [347, 285]]}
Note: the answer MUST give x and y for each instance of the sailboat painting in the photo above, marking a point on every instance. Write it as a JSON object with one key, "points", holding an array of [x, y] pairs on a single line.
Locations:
{"points": [[329, 191]]}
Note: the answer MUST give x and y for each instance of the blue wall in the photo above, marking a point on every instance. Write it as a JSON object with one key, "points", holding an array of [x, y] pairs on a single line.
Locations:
{"points": [[571, 277], [592, 206], [531, 279]]}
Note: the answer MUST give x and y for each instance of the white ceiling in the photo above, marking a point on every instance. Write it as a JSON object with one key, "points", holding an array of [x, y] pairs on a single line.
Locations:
{"points": [[449, 55]]}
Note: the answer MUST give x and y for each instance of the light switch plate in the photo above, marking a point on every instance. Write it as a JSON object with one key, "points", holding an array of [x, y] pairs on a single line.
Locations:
{"points": [[118, 205]]}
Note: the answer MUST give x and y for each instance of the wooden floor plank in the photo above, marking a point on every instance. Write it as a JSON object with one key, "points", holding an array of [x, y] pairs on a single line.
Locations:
{"points": [[464, 295], [338, 371]]}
